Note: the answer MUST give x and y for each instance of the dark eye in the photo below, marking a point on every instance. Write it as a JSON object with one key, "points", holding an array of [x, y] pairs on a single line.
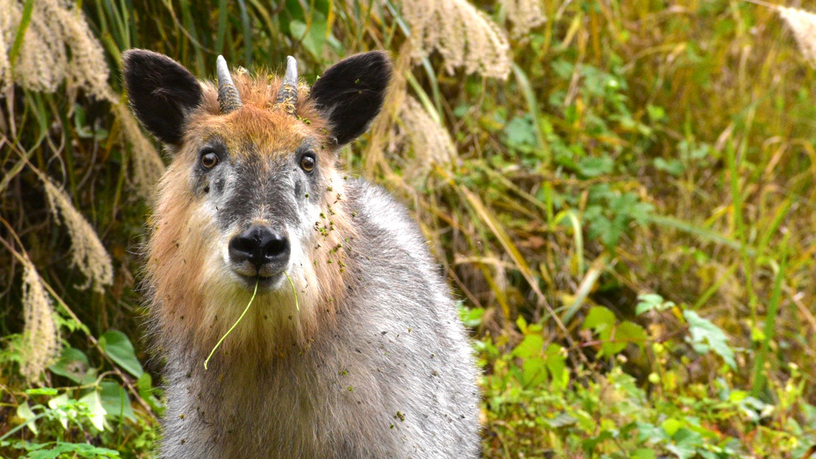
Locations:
{"points": [[209, 160], [308, 162]]}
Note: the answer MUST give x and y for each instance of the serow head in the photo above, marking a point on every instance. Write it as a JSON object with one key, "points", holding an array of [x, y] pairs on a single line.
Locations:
{"points": [[253, 190]]}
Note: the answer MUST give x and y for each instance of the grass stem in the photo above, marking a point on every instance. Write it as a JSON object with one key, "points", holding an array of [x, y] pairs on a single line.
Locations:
{"points": [[294, 292], [206, 362]]}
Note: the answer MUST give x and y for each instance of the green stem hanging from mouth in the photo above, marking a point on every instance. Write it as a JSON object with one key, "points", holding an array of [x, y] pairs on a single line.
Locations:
{"points": [[257, 281], [255, 292], [294, 292]]}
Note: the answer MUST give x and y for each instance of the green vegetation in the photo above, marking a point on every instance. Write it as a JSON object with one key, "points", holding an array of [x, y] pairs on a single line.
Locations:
{"points": [[628, 218]]}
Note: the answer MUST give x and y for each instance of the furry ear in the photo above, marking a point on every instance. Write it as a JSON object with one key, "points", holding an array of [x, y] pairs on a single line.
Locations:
{"points": [[351, 92], [162, 92]]}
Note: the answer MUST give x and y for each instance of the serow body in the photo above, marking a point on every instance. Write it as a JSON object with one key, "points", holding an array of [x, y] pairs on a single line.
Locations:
{"points": [[362, 355]]}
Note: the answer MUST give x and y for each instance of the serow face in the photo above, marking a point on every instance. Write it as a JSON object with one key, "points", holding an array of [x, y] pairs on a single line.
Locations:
{"points": [[252, 194], [264, 204]]}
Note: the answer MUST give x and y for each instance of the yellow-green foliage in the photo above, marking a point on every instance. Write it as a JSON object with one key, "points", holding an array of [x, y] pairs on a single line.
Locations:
{"points": [[620, 192]]}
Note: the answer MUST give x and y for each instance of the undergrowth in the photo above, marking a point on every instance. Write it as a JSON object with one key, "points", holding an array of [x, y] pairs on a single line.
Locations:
{"points": [[621, 194]]}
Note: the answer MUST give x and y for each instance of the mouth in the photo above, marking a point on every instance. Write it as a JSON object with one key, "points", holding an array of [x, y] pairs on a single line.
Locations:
{"points": [[271, 282], [269, 277]]}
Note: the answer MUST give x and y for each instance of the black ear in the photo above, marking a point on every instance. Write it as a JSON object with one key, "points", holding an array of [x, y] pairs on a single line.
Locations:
{"points": [[350, 93], [162, 92]]}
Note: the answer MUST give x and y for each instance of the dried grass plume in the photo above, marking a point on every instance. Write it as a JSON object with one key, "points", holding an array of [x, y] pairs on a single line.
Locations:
{"points": [[803, 25], [145, 160], [430, 142], [40, 335], [525, 16], [58, 45], [464, 36], [87, 253], [7, 14]]}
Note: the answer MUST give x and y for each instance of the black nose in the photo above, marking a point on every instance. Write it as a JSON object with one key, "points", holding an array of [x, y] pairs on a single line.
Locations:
{"points": [[260, 246]]}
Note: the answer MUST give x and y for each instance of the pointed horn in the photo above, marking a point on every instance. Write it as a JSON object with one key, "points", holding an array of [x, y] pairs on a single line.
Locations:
{"points": [[228, 97], [288, 92]]}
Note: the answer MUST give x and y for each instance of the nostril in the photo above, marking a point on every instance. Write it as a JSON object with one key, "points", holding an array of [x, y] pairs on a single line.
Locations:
{"points": [[241, 247], [275, 247]]}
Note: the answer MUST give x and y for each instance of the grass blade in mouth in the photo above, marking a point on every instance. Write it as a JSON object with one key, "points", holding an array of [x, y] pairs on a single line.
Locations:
{"points": [[257, 281], [294, 292]]}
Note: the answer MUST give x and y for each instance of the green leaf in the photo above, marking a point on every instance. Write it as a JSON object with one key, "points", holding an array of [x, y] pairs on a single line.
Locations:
{"points": [[522, 324], [24, 412], [628, 205], [705, 335], [530, 346], [682, 451], [557, 366], [599, 318], [470, 317], [22, 27], [45, 454], [642, 453], [96, 411], [64, 449], [563, 419], [312, 31], [115, 400], [650, 433], [591, 443], [86, 450], [520, 132], [117, 346], [674, 166], [146, 390], [609, 213], [652, 301], [625, 333], [534, 371], [614, 338], [630, 332], [672, 425], [62, 408], [593, 167], [686, 443], [59, 401], [73, 364], [656, 114]]}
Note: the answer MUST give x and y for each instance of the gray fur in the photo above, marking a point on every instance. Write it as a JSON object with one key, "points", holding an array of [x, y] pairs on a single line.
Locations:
{"points": [[393, 378]]}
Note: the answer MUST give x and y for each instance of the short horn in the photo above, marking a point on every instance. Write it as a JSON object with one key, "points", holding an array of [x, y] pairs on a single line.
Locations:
{"points": [[288, 93], [228, 97]]}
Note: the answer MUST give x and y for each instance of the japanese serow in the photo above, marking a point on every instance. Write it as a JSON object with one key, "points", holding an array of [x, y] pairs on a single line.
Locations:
{"points": [[352, 347]]}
